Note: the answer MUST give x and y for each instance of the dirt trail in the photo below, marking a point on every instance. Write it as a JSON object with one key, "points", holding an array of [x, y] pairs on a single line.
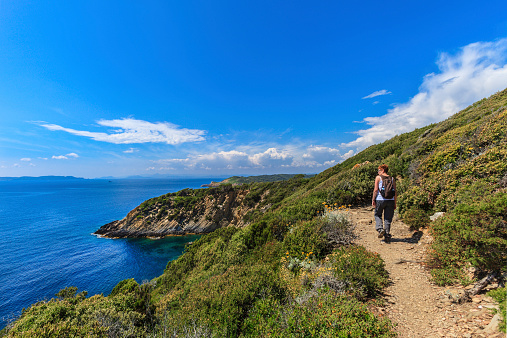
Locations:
{"points": [[418, 307]]}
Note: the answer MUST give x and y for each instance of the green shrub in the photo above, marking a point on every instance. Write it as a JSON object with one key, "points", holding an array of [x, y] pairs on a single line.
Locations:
{"points": [[473, 233], [77, 316], [253, 197], [70, 293], [125, 286], [302, 209], [306, 237], [338, 227], [252, 215], [416, 219], [465, 191], [257, 234], [323, 316], [223, 301], [448, 275], [362, 271], [414, 198]]}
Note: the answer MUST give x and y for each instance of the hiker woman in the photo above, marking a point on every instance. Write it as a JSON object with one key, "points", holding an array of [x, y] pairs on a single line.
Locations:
{"points": [[384, 201]]}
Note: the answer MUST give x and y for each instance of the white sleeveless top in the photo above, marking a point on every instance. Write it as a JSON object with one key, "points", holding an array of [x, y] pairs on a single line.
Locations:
{"points": [[379, 195]]}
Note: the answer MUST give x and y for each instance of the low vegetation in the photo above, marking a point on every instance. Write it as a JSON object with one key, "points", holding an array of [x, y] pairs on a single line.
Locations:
{"points": [[260, 178], [294, 269], [500, 295]]}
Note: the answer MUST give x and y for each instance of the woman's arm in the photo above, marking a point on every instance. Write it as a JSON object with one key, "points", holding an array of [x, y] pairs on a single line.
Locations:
{"points": [[375, 191]]}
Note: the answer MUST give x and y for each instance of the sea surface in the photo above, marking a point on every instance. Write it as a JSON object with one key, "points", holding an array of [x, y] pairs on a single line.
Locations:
{"points": [[46, 241]]}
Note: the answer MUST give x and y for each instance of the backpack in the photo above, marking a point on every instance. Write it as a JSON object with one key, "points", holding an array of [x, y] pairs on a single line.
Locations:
{"points": [[387, 190]]}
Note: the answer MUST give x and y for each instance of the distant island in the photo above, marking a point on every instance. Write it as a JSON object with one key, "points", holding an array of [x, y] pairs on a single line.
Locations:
{"points": [[41, 178]]}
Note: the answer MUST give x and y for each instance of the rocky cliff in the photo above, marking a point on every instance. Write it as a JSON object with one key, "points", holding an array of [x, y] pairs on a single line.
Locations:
{"points": [[185, 212]]}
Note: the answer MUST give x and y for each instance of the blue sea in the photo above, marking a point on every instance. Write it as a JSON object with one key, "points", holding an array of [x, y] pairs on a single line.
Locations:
{"points": [[46, 241]]}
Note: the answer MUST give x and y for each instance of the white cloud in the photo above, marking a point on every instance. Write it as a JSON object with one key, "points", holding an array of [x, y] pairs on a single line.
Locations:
{"points": [[348, 154], [131, 150], [137, 131], [65, 157], [377, 93], [478, 70], [321, 154], [25, 159], [320, 157], [271, 158]]}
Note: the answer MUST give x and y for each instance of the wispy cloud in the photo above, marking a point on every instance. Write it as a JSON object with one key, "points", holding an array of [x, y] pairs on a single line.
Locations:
{"points": [[25, 159], [478, 70], [136, 131], [131, 150], [377, 93]]}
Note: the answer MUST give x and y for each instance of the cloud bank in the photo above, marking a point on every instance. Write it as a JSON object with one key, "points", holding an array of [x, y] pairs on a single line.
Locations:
{"points": [[137, 131], [313, 157], [477, 71]]}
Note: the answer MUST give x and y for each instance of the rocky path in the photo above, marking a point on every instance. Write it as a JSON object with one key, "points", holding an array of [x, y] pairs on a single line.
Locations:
{"points": [[418, 307]]}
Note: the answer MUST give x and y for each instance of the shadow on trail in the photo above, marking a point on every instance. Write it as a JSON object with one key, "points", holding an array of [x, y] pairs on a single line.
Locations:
{"points": [[416, 237]]}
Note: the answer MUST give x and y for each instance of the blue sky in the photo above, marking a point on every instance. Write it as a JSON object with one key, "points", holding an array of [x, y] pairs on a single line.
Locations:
{"points": [[220, 88]]}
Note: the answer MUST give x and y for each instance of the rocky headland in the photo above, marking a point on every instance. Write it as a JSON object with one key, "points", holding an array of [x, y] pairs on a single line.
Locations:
{"points": [[186, 212]]}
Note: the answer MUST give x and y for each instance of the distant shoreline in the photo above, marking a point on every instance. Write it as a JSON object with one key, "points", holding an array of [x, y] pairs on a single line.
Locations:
{"points": [[41, 178]]}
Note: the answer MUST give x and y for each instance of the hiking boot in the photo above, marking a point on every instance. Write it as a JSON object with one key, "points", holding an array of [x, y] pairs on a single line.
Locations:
{"points": [[387, 238], [381, 233]]}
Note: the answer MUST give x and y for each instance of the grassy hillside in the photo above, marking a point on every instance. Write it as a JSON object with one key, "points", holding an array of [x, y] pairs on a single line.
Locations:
{"points": [[294, 270]]}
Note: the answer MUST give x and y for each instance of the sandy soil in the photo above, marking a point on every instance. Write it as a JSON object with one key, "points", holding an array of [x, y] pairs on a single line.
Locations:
{"points": [[418, 307]]}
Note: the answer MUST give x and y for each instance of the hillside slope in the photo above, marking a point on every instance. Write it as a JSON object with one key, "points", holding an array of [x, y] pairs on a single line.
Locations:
{"points": [[294, 266]]}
